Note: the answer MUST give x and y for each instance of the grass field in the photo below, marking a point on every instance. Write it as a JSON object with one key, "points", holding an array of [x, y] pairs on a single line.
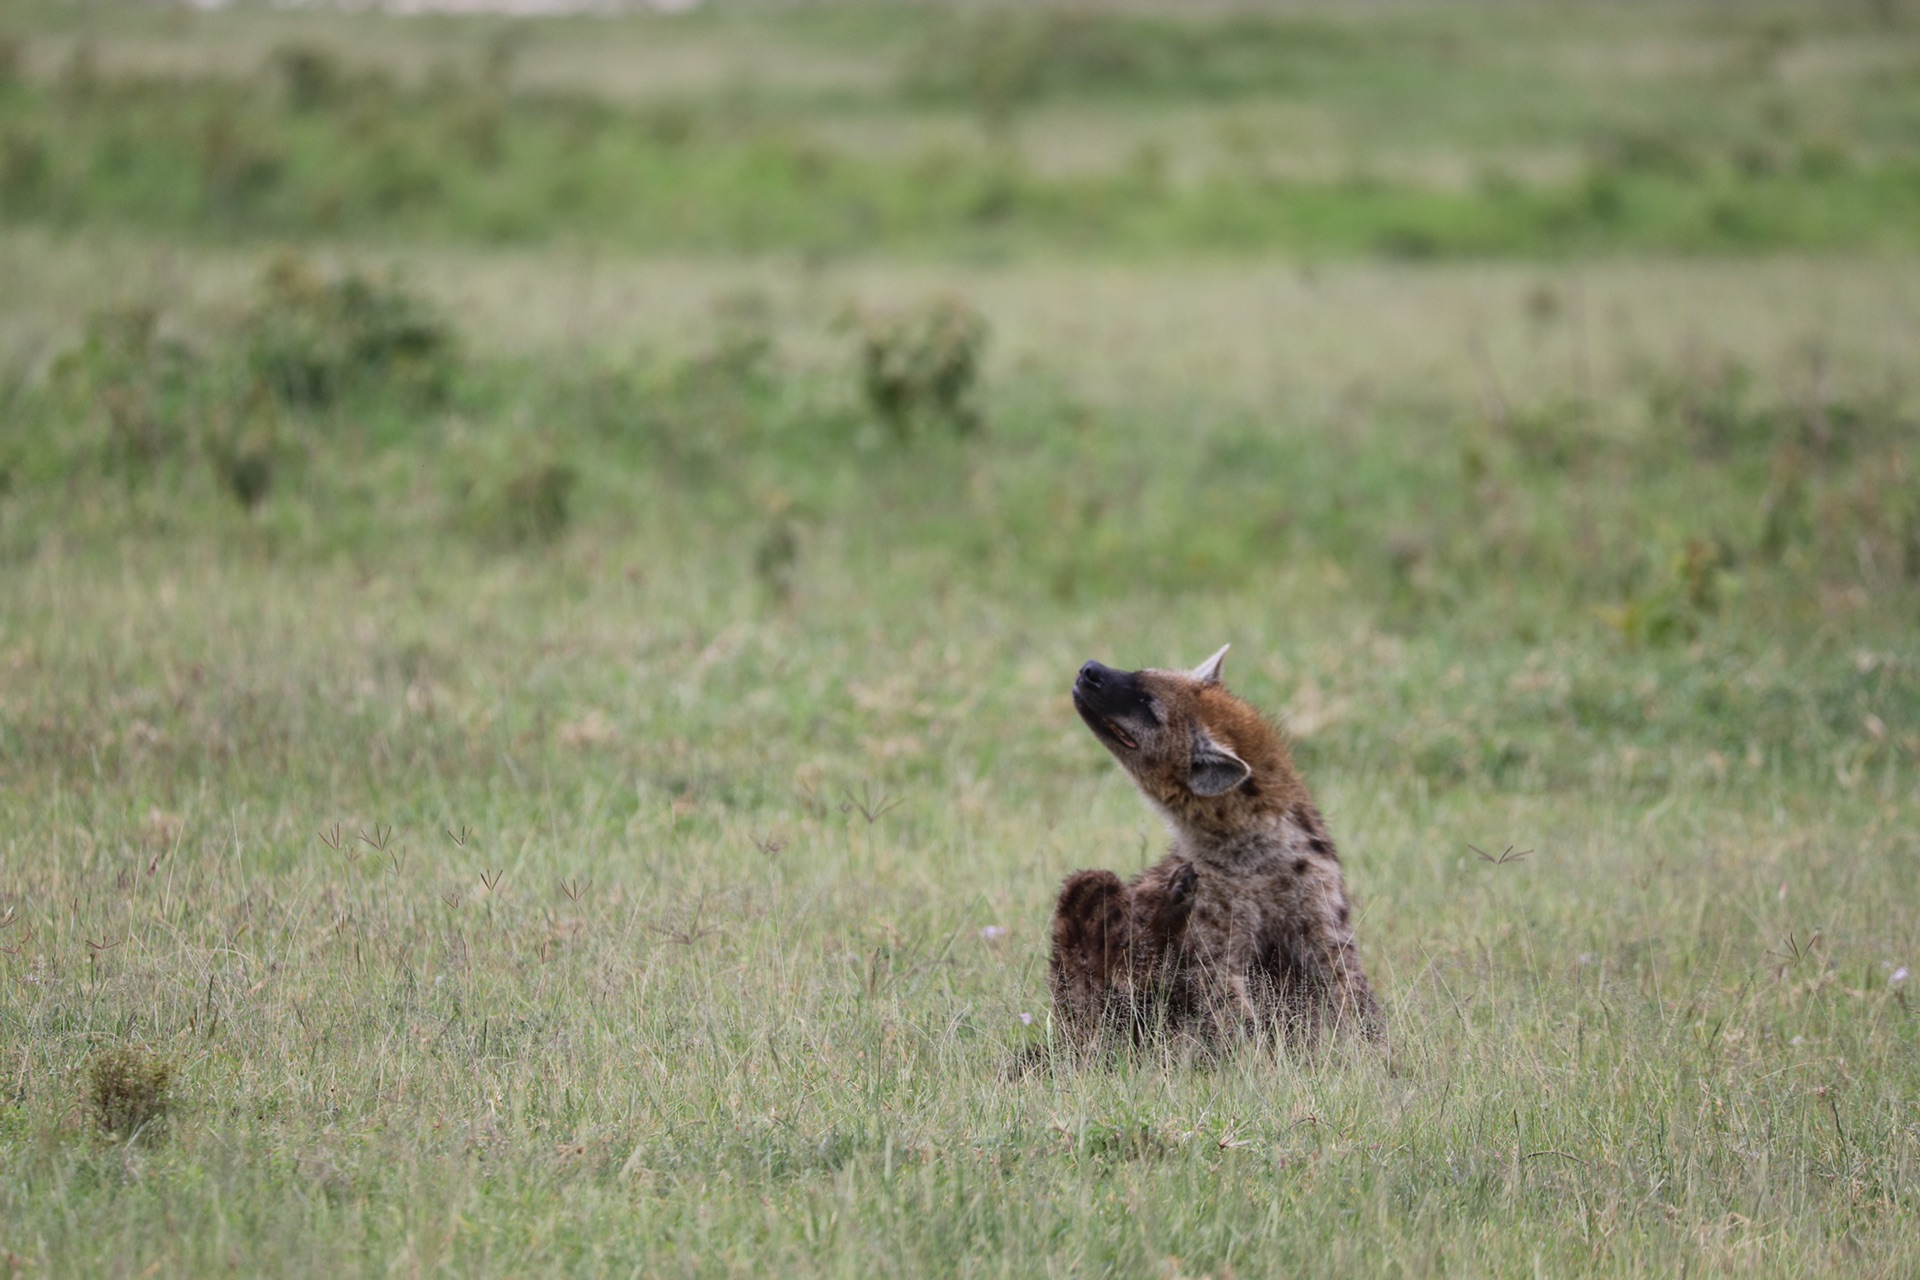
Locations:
{"points": [[539, 744]]}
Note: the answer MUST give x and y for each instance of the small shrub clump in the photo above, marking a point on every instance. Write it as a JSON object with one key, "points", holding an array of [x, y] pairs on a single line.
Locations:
{"points": [[312, 77], [13, 59], [1692, 586], [137, 387], [922, 365], [526, 501], [128, 1089], [536, 502], [316, 339], [244, 465]]}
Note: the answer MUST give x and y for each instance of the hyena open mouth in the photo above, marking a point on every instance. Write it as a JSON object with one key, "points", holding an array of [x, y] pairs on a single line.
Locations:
{"points": [[1108, 700], [1105, 726]]}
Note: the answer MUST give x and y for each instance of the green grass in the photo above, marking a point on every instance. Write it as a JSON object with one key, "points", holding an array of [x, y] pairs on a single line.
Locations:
{"points": [[637, 984], [509, 758], [1543, 131]]}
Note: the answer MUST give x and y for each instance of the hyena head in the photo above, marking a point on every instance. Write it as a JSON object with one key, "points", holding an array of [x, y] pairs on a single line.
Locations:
{"points": [[1206, 758]]}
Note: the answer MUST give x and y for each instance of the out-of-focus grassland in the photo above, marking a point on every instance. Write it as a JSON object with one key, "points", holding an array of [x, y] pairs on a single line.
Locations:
{"points": [[544, 749], [1413, 131]]}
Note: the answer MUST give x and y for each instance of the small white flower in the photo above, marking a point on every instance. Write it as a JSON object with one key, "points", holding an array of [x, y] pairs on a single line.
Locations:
{"points": [[1899, 975], [1798, 1040], [1026, 1019], [994, 932]]}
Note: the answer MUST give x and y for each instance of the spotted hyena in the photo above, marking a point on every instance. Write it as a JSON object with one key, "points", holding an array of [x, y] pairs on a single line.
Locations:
{"points": [[1244, 927]]}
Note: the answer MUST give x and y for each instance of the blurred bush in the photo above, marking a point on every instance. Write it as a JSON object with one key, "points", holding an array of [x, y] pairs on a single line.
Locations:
{"points": [[13, 60], [513, 493], [136, 389], [920, 365], [313, 338], [247, 401], [312, 77], [128, 1089], [240, 163]]}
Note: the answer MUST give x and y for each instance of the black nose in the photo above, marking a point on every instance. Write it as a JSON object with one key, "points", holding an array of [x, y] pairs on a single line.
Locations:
{"points": [[1090, 675]]}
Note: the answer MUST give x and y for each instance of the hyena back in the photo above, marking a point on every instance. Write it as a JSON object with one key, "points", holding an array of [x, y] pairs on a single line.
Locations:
{"points": [[1245, 926]]}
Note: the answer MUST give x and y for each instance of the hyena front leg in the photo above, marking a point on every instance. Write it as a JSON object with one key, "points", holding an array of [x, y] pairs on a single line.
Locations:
{"points": [[1175, 907], [1321, 987], [1091, 950], [1352, 1000], [1222, 958], [1161, 900]]}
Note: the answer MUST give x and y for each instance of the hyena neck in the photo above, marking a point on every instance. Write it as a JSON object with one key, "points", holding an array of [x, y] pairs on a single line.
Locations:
{"points": [[1263, 814], [1261, 840]]}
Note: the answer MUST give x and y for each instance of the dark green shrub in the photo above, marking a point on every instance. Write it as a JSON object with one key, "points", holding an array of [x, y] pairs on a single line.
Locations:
{"points": [[314, 339], [135, 386], [1684, 593], [247, 472], [311, 77], [128, 1089], [776, 557], [922, 365], [536, 502], [517, 503], [1786, 511], [26, 171], [237, 168], [13, 60], [243, 448]]}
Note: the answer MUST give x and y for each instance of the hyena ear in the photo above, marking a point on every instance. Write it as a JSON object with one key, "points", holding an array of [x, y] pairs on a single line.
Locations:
{"points": [[1215, 770], [1208, 672]]}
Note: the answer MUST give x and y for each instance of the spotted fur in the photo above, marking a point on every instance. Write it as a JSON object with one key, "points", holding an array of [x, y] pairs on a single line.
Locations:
{"points": [[1245, 927]]}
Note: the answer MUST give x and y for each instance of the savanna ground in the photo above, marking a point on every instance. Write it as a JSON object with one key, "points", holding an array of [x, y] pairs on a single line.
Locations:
{"points": [[540, 567]]}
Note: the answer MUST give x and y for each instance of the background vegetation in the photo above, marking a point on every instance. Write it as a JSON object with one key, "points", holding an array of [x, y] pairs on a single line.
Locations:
{"points": [[1414, 132], [540, 564]]}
